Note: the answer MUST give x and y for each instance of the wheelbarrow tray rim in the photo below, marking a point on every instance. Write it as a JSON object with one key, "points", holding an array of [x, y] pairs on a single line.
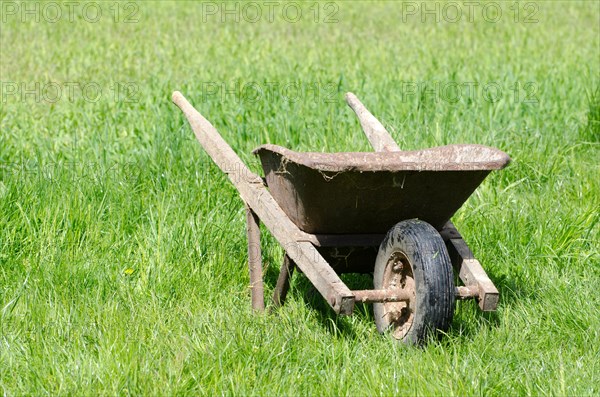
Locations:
{"points": [[459, 157]]}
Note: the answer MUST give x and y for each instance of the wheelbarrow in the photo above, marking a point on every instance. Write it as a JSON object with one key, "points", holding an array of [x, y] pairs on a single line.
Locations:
{"points": [[385, 213]]}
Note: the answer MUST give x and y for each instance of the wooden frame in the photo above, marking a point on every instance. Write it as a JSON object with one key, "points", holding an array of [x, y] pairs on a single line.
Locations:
{"points": [[300, 247]]}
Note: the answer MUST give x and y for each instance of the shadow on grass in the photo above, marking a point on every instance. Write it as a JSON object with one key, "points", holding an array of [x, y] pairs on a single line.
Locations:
{"points": [[334, 323], [468, 319]]}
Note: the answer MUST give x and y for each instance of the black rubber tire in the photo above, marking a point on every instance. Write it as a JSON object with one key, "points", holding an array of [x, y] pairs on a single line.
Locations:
{"points": [[429, 276]]}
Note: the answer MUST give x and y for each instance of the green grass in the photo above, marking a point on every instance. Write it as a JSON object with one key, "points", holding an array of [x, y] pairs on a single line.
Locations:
{"points": [[90, 189]]}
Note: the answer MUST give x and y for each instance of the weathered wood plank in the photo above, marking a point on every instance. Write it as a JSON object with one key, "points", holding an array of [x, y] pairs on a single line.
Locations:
{"points": [[253, 192]]}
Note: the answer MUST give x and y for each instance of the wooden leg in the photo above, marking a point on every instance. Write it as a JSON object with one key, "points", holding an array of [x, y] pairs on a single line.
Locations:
{"points": [[283, 281], [254, 260]]}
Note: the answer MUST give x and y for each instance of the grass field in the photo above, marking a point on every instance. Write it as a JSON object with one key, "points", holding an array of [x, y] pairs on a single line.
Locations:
{"points": [[122, 248]]}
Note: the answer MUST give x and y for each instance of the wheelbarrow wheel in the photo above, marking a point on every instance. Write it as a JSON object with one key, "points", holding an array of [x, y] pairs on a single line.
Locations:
{"points": [[413, 257]]}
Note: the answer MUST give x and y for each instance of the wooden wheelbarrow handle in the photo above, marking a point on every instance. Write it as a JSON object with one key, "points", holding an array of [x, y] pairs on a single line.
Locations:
{"points": [[378, 136], [216, 147], [254, 193]]}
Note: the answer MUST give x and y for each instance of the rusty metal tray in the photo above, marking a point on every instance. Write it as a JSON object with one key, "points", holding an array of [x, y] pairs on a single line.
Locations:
{"points": [[357, 193]]}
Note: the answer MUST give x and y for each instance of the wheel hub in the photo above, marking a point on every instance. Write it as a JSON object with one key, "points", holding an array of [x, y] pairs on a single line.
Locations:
{"points": [[398, 275]]}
